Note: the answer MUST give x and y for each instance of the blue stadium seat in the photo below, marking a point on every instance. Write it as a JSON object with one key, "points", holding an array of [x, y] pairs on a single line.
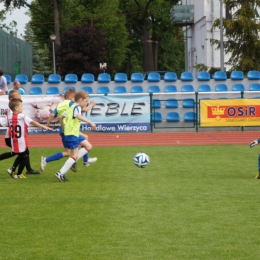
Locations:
{"points": [[171, 103], [153, 89], [238, 87], [190, 117], [254, 87], [156, 103], [35, 91], [8, 78], [104, 78], [22, 78], [67, 88], [221, 88], [120, 77], [220, 75], [87, 89], [71, 78], [103, 90], [237, 75], [187, 76], [170, 88], [173, 117], [203, 76], [170, 76], [37, 79], [52, 91], [54, 79], [137, 77], [154, 77], [188, 103], [136, 89], [120, 90], [253, 75], [187, 88], [157, 117], [204, 88], [87, 78]]}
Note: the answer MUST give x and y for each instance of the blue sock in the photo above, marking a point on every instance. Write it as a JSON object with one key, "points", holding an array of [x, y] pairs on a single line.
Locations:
{"points": [[259, 162], [54, 157], [85, 157]]}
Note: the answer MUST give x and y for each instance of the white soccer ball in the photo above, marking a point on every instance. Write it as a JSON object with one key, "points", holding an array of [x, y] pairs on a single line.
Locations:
{"points": [[141, 160]]}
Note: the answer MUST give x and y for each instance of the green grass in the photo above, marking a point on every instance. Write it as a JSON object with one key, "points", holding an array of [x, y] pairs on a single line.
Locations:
{"points": [[191, 202]]}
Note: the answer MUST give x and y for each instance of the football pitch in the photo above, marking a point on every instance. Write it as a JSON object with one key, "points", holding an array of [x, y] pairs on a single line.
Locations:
{"points": [[190, 202]]}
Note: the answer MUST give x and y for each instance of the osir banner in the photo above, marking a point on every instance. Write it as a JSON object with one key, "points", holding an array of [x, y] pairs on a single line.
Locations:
{"points": [[111, 113], [230, 112]]}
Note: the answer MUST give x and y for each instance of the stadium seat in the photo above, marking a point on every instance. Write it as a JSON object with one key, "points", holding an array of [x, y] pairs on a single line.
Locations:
{"points": [[170, 88], [137, 77], [87, 89], [103, 90], [35, 91], [253, 75], [220, 75], [8, 78], [173, 117], [22, 78], [120, 90], [153, 77], [52, 91], [237, 75], [136, 89], [71, 78], [120, 77], [87, 78], [104, 78], [203, 76], [188, 103], [67, 88], [157, 117], [37, 79], [153, 89], [54, 79], [204, 88], [156, 103], [187, 76], [221, 88], [171, 103], [238, 87], [187, 88], [170, 76], [254, 87], [190, 117]]}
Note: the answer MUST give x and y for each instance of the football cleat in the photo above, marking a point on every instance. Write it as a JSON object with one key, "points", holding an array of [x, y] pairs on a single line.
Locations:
{"points": [[257, 176], [43, 163], [90, 161], [60, 177], [74, 167], [21, 176], [32, 172], [255, 142]]}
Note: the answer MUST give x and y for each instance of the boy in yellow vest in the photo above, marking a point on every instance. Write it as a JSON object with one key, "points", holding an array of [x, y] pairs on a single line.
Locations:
{"points": [[72, 139]]}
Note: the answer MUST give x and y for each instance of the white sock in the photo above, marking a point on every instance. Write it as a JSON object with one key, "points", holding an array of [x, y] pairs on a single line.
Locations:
{"points": [[67, 165], [82, 152]]}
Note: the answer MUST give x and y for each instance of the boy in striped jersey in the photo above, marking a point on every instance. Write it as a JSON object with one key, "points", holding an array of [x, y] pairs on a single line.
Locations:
{"points": [[18, 123]]}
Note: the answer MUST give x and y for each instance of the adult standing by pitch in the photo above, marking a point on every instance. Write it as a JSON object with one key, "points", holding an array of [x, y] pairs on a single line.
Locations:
{"points": [[3, 83]]}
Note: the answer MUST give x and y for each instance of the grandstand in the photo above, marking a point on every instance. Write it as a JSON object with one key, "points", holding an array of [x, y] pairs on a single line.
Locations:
{"points": [[174, 105]]}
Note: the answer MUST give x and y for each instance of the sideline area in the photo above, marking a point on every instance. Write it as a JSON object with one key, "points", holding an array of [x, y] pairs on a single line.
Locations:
{"points": [[148, 139]]}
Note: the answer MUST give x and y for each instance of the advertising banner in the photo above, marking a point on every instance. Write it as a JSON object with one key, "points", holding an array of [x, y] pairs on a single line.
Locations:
{"points": [[110, 113], [230, 112]]}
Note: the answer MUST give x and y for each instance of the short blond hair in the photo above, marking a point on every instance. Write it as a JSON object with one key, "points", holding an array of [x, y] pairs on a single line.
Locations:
{"points": [[15, 93], [81, 94], [13, 103]]}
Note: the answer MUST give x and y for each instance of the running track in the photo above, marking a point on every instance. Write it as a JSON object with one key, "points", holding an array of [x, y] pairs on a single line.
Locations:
{"points": [[142, 139]]}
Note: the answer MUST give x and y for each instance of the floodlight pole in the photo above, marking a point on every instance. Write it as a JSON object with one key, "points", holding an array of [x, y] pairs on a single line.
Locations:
{"points": [[53, 37], [221, 37]]}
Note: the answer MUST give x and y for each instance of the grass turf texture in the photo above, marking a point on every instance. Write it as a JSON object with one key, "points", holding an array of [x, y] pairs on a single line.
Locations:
{"points": [[191, 202]]}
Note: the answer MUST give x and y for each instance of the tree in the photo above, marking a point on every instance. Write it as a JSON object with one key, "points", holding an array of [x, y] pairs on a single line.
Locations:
{"points": [[11, 28], [82, 49], [242, 35]]}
